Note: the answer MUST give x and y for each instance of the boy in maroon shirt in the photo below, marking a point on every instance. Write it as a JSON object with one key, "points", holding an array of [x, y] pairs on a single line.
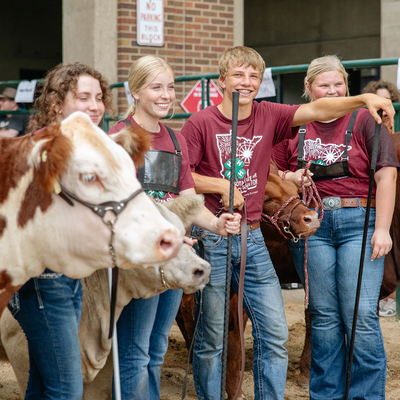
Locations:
{"points": [[260, 127]]}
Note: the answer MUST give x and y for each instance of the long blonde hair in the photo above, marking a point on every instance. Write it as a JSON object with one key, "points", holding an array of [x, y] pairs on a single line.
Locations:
{"points": [[319, 66], [140, 70]]}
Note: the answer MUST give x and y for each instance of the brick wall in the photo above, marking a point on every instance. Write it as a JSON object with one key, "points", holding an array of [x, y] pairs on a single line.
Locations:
{"points": [[196, 32]]}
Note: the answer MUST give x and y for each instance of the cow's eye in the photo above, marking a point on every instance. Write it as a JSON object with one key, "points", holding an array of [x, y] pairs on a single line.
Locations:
{"points": [[89, 177]]}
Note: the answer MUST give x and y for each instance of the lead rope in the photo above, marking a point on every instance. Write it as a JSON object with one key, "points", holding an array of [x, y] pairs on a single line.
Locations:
{"points": [[114, 276], [198, 296], [310, 193]]}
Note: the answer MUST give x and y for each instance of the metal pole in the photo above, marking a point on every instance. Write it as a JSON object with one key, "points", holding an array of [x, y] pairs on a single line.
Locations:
{"points": [[208, 93], [235, 111], [203, 93], [117, 380], [364, 242]]}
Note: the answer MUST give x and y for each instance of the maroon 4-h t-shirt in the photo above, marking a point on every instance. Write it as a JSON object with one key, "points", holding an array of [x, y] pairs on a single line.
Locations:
{"points": [[324, 144], [208, 135]]}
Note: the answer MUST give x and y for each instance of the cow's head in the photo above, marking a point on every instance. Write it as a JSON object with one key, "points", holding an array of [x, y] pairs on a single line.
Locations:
{"points": [[186, 271], [74, 240], [302, 221]]}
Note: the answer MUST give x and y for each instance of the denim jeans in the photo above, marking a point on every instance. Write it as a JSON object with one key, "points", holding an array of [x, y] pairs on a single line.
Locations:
{"points": [[333, 263], [264, 305], [143, 330], [48, 308]]}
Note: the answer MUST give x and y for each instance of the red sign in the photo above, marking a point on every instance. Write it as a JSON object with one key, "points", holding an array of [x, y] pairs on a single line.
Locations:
{"points": [[192, 102]]}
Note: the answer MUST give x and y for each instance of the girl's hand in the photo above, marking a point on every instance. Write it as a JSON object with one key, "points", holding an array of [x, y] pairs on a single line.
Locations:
{"points": [[381, 243], [295, 177], [228, 223], [374, 104], [189, 241]]}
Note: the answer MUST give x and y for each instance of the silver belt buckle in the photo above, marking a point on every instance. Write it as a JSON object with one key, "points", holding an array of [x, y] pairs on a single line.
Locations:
{"points": [[332, 203]]}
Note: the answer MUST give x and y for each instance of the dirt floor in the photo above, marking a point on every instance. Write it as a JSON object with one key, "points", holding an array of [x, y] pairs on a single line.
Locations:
{"points": [[173, 371]]}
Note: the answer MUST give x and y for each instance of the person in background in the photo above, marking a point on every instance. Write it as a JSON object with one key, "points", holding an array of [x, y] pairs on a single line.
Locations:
{"points": [[387, 90], [144, 324], [387, 306], [12, 125], [341, 168], [48, 307]]}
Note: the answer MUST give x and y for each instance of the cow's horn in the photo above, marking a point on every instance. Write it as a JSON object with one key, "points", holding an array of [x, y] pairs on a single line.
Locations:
{"points": [[57, 188]]}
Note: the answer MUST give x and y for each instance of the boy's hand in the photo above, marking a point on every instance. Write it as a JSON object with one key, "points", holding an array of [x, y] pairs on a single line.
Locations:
{"points": [[238, 200]]}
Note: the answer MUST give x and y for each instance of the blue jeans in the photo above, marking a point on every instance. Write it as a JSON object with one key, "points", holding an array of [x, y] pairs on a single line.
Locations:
{"points": [[333, 263], [48, 308], [143, 330], [264, 305]]}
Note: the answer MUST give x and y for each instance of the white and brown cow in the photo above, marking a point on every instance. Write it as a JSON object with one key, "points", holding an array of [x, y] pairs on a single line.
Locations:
{"points": [[93, 330], [39, 229]]}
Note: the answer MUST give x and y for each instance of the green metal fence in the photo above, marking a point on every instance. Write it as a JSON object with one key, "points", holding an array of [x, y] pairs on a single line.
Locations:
{"points": [[205, 85], [276, 71]]}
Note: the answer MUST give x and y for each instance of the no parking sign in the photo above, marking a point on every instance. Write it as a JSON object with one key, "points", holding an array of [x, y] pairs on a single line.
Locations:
{"points": [[192, 102]]}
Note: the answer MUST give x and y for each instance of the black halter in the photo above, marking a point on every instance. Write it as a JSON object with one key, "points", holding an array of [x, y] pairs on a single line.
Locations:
{"points": [[100, 209]]}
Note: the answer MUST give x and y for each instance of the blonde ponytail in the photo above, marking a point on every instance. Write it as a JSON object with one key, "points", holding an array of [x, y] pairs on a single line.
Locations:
{"points": [[140, 70]]}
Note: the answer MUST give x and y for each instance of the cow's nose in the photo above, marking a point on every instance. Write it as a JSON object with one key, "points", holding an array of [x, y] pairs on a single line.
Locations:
{"points": [[311, 220], [198, 273], [169, 245], [201, 273]]}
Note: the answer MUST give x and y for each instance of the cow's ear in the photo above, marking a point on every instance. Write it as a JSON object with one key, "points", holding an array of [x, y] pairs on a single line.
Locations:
{"points": [[135, 140], [186, 207], [50, 155]]}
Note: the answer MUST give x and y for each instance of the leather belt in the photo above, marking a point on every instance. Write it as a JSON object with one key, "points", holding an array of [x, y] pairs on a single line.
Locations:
{"points": [[333, 203], [254, 225]]}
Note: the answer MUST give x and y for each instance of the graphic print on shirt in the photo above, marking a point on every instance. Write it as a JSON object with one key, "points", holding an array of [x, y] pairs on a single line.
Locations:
{"points": [[3, 125], [244, 152], [323, 154]]}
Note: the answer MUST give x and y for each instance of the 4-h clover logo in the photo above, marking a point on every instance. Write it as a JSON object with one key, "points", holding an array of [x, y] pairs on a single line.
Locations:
{"points": [[158, 195], [239, 171]]}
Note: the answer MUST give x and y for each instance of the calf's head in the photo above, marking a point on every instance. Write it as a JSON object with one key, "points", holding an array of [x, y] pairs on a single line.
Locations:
{"points": [[300, 220], [186, 271]]}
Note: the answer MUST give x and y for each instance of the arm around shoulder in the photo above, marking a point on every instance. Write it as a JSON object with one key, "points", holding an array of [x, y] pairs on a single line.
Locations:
{"points": [[329, 108]]}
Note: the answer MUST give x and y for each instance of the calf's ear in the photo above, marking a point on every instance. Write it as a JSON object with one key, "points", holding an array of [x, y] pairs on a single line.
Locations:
{"points": [[135, 140], [50, 155], [186, 207]]}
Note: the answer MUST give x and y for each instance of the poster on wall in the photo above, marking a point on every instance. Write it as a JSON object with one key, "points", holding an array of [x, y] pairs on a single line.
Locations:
{"points": [[150, 22]]}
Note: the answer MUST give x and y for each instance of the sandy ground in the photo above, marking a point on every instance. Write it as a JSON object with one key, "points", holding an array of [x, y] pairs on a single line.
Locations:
{"points": [[173, 371]]}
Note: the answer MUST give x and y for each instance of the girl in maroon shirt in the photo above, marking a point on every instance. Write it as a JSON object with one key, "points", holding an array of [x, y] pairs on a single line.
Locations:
{"points": [[334, 250], [144, 324]]}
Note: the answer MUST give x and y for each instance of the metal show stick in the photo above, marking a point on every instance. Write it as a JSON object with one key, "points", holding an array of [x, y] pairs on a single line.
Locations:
{"points": [[364, 243], [235, 112], [117, 380]]}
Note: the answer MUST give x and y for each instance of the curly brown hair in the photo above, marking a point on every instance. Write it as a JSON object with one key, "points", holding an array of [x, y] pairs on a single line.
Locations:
{"points": [[373, 86], [59, 81]]}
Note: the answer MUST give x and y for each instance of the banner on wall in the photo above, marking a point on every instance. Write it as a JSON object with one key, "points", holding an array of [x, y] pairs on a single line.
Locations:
{"points": [[129, 97], [267, 87], [25, 92]]}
